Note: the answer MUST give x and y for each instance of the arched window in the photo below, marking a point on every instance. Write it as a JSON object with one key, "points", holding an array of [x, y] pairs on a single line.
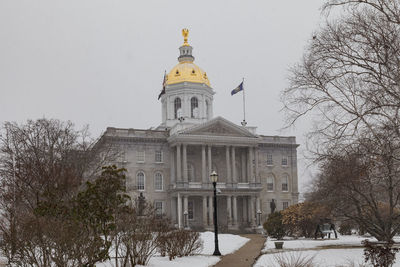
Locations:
{"points": [[140, 178], [270, 182], [158, 182], [285, 183], [194, 105], [191, 176], [177, 106]]}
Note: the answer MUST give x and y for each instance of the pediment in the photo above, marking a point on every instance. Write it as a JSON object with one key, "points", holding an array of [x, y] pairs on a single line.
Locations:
{"points": [[218, 127]]}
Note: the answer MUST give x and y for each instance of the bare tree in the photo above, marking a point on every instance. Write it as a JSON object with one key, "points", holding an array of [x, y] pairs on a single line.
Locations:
{"points": [[349, 77], [363, 184], [44, 162], [349, 80], [389, 8], [139, 235]]}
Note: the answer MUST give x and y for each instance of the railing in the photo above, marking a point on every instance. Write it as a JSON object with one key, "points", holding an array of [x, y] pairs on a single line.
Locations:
{"points": [[199, 185]]}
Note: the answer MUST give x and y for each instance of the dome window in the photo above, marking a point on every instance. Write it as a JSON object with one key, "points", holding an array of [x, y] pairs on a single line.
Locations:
{"points": [[193, 72], [177, 107], [194, 105], [177, 72]]}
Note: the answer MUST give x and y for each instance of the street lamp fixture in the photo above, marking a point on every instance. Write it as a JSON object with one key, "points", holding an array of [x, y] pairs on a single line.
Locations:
{"points": [[214, 179]]}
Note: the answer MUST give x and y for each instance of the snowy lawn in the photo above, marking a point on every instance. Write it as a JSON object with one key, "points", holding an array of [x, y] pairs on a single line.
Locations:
{"points": [[312, 243], [328, 257], [227, 244]]}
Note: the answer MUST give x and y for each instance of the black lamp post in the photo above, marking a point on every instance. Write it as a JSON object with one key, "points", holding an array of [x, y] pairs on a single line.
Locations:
{"points": [[214, 179]]}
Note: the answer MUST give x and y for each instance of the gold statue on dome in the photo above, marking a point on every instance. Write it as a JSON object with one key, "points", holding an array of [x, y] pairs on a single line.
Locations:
{"points": [[185, 34]]}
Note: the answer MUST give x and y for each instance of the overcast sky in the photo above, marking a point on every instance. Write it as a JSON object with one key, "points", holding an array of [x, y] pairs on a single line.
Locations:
{"points": [[101, 63]]}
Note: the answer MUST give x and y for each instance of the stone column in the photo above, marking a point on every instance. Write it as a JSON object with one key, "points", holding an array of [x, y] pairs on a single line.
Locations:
{"points": [[210, 211], [233, 167], [228, 167], [251, 210], [204, 211], [174, 209], [185, 203], [250, 164], [185, 168], [229, 209], [244, 165], [258, 209], [257, 175], [209, 160], [185, 209], [203, 164], [234, 204], [245, 210], [178, 163], [179, 211], [184, 104], [203, 110], [172, 164]]}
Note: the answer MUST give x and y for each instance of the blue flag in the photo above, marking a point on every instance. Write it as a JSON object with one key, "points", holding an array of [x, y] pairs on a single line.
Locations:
{"points": [[237, 89]]}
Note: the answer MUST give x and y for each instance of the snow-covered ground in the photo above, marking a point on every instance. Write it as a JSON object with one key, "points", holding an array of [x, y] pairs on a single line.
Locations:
{"points": [[312, 243], [326, 257], [227, 244], [307, 248]]}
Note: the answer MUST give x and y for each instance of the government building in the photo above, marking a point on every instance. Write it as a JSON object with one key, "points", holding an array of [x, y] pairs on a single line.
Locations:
{"points": [[170, 165]]}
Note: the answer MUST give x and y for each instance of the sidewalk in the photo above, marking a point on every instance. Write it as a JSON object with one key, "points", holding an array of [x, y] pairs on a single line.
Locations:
{"points": [[246, 255]]}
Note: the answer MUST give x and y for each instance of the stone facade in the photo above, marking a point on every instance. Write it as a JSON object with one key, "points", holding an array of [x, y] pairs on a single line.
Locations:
{"points": [[171, 164], [185, 159]]}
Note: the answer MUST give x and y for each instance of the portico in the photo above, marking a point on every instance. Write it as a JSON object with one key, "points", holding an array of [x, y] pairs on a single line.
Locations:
{"points": [[236, 210], [231, 151]]}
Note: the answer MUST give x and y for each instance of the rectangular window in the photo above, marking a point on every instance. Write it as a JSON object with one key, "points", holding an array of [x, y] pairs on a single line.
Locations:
{"points": [[140, 156], [159, 207], [159, 156], [270, 183], [270, 162], [284, 161], [285, 183], [285, 187], [285, 205], [190, 210], [270, 186], [158, 182]]}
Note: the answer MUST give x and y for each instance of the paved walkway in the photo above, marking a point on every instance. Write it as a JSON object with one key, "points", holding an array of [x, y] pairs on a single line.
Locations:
{"points": [[246, 255]]}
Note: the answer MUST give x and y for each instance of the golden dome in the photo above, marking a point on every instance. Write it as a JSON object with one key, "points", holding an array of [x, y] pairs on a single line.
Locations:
{"points": [[187, 72]]}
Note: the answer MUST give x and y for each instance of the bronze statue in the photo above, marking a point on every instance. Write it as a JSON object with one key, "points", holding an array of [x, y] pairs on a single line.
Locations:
{"points": [[272, 205], [141, 204]]}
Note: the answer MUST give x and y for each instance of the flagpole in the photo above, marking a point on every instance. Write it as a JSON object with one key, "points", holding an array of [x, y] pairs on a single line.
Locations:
{"points": [[244, 123]]}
